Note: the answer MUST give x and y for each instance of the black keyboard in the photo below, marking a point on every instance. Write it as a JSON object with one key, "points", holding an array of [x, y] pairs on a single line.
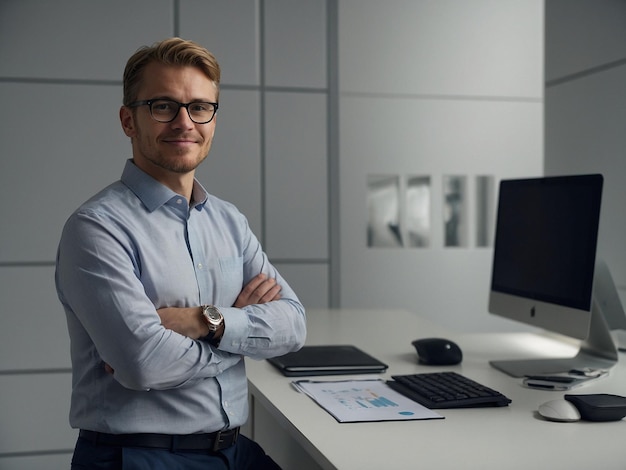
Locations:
{"points": [[446, 390]]}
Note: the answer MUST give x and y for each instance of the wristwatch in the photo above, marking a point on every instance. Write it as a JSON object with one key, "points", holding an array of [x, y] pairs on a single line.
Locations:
{"points": [[214, 320]]}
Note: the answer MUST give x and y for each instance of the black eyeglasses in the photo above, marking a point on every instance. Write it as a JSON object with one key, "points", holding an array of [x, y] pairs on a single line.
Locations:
{"points": [[161, 110]]}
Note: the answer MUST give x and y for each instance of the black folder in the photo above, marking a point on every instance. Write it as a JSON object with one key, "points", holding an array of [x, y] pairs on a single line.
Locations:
{"points": [[327, 360]]}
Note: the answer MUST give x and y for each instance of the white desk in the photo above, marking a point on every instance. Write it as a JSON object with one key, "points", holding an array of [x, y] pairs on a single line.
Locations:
{"points": [[512, 437]]}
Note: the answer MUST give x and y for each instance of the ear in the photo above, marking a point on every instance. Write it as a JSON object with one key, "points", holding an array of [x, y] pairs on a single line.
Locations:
{"points": [[127, 119]]}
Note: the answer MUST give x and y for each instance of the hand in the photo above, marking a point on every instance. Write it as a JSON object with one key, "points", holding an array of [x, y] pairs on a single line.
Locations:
{"points": [[259, 290]]}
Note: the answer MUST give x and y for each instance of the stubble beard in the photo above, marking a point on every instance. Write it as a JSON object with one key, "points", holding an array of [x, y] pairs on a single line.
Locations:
{"points": [[177, 162], [176, 165]]}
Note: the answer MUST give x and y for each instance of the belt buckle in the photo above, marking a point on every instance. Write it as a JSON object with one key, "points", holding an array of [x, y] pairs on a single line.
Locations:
{"points": [[219, 439]]}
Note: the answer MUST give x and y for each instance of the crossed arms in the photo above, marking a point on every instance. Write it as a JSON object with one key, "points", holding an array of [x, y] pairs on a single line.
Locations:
{"points": [[188, 321]]}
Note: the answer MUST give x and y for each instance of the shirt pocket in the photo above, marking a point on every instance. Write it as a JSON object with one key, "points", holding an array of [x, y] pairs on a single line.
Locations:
{"points": [[231, 275]]}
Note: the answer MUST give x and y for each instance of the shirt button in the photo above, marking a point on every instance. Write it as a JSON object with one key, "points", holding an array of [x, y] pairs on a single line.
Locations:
{"points": [[179, 201], [200, 266]]}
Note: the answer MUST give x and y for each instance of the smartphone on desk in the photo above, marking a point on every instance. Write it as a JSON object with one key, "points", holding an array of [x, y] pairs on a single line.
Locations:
{"points": [[559, 382]]}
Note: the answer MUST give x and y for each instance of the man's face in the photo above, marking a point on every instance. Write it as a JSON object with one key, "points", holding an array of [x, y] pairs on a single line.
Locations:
{"points": [[178, 146]]}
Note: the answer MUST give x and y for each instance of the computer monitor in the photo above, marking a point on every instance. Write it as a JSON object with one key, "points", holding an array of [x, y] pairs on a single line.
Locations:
{"points": [[543, 267]]}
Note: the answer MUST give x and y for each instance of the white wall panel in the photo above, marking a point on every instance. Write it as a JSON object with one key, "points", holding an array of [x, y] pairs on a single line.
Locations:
{"points": [[433, 138], [295, 42], [34, 413], [230, 30], [77, 39], [61, 143], [447, 47], [438, 136], [296, 176], [233, 169], [433, 89], [34, 332]]}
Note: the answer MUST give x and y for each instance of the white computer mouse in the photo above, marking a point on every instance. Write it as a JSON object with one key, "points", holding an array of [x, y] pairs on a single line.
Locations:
{"points": [[559, 410]]}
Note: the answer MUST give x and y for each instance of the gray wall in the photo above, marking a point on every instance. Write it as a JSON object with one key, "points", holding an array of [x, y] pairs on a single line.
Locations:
{"points": [[586, 109], [60, 78]]}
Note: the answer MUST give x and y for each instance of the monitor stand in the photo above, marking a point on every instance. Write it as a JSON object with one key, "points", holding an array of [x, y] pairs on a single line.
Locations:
{"points": [[619, 337], [598, 351], [609, 302]]}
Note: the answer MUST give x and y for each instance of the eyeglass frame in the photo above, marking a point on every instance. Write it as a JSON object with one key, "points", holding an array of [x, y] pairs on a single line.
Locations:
{"points": [[136, 104]]}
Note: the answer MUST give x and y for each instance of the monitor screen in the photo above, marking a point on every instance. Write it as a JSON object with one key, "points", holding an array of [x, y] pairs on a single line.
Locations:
{"points": [[545, 251]]}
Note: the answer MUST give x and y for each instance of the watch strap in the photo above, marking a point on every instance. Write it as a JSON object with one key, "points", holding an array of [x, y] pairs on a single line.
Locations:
{"points": [[209, 337]]}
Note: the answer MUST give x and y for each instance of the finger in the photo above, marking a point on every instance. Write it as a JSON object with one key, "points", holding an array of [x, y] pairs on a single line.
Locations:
{"points": [[260, 289], [263, 288], [253, 285], [245, 296], [271, 294]]}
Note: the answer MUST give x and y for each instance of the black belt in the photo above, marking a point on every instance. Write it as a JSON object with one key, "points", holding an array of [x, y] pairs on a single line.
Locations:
{"points": [[214, 441]]}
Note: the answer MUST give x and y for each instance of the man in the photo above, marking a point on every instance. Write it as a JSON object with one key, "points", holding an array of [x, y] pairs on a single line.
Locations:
{"points": [[165, 288]]}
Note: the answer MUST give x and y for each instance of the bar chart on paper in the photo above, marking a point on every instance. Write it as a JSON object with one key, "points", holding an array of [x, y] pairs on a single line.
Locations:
{"points": [[360, 398], [363, 400]]}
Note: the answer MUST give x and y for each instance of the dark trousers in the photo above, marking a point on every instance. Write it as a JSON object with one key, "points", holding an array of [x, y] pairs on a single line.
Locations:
{"points": [[244, 454]]}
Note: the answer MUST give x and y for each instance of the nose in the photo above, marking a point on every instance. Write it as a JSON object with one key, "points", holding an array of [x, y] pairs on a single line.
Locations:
{"points": [[182, 119]]}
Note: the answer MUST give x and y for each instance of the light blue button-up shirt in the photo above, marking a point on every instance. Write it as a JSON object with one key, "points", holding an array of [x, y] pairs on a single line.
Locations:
{"points": [[133, 248]]}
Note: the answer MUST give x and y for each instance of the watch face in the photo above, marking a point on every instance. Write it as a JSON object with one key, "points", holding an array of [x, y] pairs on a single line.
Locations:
{"points": [[214, 314]]}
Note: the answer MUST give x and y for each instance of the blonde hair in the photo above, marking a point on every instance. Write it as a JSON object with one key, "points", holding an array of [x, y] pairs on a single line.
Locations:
{"points": [[173, 51]]}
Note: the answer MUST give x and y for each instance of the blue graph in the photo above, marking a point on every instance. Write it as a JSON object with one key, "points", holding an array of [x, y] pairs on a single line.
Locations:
{"points": [[377, 402], [362, 398]]}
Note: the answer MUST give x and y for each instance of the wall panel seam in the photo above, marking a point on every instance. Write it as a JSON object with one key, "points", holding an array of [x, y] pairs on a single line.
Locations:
{"points": [[262, 124], [334, 211], [59, 370], [440, 97], [29, 264], [35, 453], [60, 81]]}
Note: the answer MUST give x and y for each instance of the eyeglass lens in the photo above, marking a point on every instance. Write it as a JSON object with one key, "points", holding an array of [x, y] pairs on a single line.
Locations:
{"points": [[167, 110]]}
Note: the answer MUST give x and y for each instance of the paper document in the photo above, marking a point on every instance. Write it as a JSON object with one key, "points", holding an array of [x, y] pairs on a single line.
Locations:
{"points": [[351, 401]]}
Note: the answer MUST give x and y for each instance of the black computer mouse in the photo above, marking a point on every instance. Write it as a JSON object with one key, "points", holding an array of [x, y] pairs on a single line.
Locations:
{"points": [[437, 352]]}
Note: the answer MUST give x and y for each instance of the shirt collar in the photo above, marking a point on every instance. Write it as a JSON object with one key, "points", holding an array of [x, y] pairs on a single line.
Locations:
{"points": [[154, 194]]}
